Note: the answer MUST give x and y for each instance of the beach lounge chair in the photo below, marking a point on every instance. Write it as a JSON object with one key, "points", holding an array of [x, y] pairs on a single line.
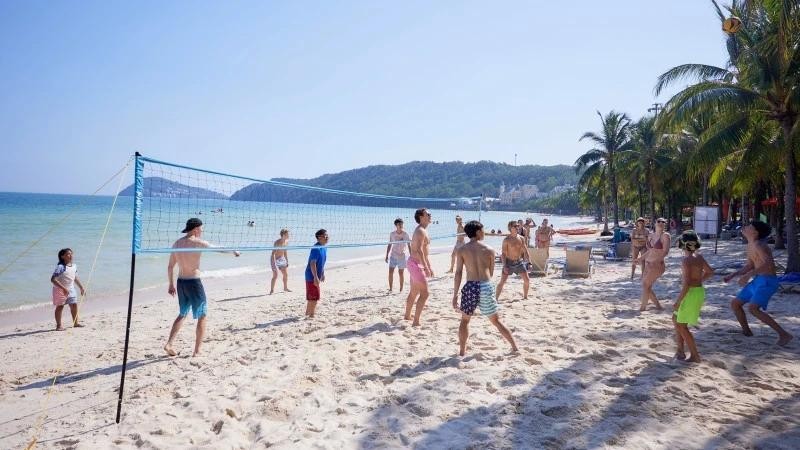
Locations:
{"points": [[618, 251], [789, 282], [538, 261], [578, 262]]}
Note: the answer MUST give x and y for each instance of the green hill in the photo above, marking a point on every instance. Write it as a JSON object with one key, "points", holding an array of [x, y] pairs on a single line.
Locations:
{"points": [[420, 179]]}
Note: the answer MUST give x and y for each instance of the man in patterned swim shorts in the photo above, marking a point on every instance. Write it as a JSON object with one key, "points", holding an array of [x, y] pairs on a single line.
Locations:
{"points": [[478, 291]]}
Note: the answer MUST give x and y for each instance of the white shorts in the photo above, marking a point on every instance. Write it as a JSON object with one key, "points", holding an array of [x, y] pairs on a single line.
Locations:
{"points": [[281, 262]]}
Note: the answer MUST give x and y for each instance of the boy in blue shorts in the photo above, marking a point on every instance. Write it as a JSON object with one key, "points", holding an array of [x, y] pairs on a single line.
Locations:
{"points": [[315, 272], [757, 292]]}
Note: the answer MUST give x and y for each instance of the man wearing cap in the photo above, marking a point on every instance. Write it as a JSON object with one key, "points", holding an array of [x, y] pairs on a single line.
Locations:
{"points": [[191, 294]]}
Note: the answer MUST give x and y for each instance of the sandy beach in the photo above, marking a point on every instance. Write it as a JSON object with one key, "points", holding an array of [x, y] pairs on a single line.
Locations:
{"points": [[592, 371]]}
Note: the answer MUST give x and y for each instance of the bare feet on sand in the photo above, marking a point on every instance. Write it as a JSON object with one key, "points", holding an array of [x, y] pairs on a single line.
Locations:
{"points": [[59, 328], [680, 356], [78, 325], [784, 340], [170, 351], [747, 332]]}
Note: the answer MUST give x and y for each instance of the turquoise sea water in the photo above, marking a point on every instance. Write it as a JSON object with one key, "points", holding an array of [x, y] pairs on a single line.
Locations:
{"points": [[28, 218]]}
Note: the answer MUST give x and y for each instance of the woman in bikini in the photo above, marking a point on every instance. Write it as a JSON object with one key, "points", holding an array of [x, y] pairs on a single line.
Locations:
{"points": [[657, 249], [639, 244], [543, 235]]}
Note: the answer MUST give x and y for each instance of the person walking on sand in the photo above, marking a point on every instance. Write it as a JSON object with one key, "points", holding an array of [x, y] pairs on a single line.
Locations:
{"points": [[459, 242], [515, 259], [639, 244], [694, 270], [315, 272], [279, 260], [419, 267], [757, 292], [64, 279], [477, 292], [191, 294], [396, 253], [658, 243]]}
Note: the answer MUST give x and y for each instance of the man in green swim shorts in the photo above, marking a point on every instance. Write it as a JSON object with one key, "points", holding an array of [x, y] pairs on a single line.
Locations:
{"points": [[694, 270]]}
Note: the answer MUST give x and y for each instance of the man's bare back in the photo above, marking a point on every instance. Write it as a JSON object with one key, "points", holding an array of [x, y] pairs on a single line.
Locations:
{"points": [[189, 262], [478, 260]]}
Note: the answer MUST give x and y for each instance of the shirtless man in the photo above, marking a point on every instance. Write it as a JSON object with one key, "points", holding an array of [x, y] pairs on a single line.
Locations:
{"points": [[419, 267], [528, 227], [459, 242], [515, 259], [191, 294], [543, 235], [478, 258], [279, 260], [757, 292]]}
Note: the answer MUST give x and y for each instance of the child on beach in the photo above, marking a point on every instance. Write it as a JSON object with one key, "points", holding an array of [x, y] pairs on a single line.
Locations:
{"points": [[694, 270], [315, 271], [64, 279], [757, 292], [478, 291], [397, 259]]}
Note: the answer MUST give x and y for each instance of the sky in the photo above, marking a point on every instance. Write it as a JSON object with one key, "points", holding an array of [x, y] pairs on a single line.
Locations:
{"points": [[298, 89]]}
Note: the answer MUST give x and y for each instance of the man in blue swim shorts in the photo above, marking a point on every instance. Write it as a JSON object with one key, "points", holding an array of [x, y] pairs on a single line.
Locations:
{"points": [[191, 295], [478, 291], [757, 292]]}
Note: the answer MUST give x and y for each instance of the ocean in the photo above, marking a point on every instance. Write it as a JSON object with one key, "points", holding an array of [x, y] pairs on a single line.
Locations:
{"points": [[35, 226]]}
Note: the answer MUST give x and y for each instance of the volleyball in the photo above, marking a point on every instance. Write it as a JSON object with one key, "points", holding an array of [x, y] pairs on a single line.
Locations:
{"points": [[731, 25]]}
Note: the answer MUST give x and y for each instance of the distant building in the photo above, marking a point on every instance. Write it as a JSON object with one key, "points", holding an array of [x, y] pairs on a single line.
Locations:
{"points": [[561, 189], [517, 193]]}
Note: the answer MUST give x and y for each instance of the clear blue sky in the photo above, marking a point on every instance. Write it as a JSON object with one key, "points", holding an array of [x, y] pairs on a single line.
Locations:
{"points": [[298, 89]]}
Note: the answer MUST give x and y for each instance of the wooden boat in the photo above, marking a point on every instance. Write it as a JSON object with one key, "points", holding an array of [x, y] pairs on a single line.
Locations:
{"points": [[576, 231]]}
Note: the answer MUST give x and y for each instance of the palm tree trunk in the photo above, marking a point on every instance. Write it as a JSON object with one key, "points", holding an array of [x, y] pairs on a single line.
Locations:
{"points": [[792, 250], [614, 204], [652, 202]]}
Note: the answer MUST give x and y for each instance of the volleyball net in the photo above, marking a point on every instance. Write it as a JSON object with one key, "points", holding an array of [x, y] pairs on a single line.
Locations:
{"points": [[244, 213]]}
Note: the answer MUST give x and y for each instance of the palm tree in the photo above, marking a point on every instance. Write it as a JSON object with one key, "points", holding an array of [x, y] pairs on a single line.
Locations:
{"points": [[650, 154], [613, 139], [762, 81]]}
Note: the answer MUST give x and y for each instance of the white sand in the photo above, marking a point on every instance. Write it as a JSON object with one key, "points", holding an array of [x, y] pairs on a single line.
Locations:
{"points": [[592, 372]]}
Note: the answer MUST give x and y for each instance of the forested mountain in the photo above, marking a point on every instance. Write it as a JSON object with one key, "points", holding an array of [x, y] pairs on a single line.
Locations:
{"points": [[422, 179], [161, 187]]}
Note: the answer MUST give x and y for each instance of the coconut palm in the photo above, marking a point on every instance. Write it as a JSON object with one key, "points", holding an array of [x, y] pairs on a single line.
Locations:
{"points": [[762, 80], [651, 154], [613, 139]]}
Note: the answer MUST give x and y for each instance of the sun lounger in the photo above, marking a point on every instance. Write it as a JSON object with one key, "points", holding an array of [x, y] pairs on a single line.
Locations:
{"points": [[538, 261], [618, 251], [789, 282], [578, 262]]}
